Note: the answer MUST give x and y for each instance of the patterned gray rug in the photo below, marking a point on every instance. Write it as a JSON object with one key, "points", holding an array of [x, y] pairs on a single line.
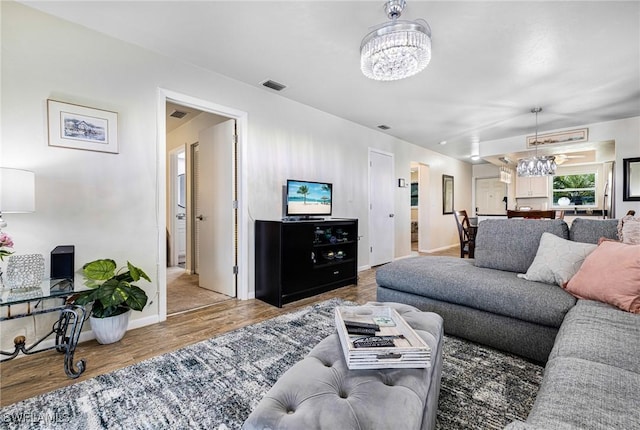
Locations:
{"points": [[214, 384]]}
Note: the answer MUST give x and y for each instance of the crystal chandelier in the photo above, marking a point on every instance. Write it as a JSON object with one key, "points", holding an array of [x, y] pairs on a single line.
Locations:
{"points": [[537, 166], [396, 49]]}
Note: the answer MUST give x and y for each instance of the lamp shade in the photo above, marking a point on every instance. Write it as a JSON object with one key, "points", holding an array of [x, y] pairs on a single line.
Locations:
{"points": [[17, 190]]}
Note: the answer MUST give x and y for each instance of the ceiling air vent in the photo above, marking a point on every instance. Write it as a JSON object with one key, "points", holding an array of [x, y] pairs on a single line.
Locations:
{"points": [[178, 114], [276, 86], [383, 127]]}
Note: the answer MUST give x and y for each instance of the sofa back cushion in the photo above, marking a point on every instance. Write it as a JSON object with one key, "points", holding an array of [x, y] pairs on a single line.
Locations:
{"points": [[512, 244], [590, 230]]}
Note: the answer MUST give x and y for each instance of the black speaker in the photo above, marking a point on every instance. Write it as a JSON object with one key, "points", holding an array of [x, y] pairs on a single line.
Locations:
{"points": [[62, 258]]}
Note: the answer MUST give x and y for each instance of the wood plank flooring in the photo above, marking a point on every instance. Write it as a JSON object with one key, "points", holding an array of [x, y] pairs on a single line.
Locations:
{"points": [[40, 373]]}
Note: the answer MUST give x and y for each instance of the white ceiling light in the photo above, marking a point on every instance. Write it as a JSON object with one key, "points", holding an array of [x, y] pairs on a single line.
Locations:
{"points": [[396, 49], [536, 166]]}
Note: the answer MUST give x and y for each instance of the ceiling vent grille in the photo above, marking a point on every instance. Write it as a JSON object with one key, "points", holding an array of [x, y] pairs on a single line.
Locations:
{"points": [[383, 127], [276, 86], [178, 114]]}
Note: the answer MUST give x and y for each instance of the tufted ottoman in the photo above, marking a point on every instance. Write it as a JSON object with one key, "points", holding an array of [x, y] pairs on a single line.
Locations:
{"points": [[320, 392]]}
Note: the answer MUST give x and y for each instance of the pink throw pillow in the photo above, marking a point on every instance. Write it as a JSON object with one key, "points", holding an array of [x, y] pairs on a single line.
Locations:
{"points": [[610, 274]]}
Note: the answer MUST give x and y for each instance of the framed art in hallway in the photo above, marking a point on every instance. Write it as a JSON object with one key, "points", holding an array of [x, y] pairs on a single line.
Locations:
{"points": [[447, 194], [82, 127]]}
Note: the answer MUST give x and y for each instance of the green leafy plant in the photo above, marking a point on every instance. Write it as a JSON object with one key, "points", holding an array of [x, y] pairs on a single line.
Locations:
{"points": [[111, 289]]}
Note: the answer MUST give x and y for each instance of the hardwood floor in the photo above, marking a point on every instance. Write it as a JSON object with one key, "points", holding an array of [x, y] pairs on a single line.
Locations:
{"points": [[184, 294], [40, 373]]}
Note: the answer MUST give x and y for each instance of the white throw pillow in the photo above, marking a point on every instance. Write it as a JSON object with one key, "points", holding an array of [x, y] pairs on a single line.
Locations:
{"points": [[557, 260], [629, 230]]}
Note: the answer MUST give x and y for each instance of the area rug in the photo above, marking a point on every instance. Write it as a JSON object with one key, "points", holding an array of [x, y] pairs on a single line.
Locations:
{"points": [[216, 383]]}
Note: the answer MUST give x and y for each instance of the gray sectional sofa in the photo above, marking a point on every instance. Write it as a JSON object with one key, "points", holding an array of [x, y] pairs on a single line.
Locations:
{"points": [[483, 300], [591, 349]]}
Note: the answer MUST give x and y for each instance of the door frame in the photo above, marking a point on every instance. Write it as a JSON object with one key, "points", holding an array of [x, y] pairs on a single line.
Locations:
{"points": [[241, 117]]}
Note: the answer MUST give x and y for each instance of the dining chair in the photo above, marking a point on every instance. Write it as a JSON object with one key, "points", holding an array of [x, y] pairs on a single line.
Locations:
{"points": [[462, 221]]}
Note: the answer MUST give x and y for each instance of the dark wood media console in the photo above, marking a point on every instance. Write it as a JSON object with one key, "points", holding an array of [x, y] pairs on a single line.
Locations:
{"points": [[298, 259]]}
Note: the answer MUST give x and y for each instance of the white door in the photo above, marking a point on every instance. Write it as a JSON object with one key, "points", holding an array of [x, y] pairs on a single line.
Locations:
{"points": [[216, 227], [490, 194], [381, 208]]}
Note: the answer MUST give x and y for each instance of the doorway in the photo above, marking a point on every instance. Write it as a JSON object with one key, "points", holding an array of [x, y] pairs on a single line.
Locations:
{"points": [[491, 196], [381, 207], [184, 289], [419, 207]]}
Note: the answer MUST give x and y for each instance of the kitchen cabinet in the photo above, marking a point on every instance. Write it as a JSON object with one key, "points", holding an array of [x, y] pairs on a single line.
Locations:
{"points": [[532, 186]]}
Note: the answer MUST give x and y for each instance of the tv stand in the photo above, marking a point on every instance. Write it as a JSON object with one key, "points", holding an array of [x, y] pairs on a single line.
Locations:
{"points": [[300, 259]]}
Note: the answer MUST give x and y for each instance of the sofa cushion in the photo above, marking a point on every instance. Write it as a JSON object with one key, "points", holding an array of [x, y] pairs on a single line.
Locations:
{"points": [[512, 244], [459, 281], [580, 394], [610, 274], [557, 260], [599, 332], [629, 230], [590, 230]]}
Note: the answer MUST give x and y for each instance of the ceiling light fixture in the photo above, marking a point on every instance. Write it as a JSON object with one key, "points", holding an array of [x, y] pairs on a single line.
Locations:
{"points": [[536, 166], [397, 49]]}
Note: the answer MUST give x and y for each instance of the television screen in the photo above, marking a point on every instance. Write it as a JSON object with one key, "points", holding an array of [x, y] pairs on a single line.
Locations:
{"points": [[305, 198]]}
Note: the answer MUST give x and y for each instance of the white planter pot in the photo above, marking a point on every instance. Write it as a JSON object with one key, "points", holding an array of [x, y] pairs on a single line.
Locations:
{"points": [[110, 329]]}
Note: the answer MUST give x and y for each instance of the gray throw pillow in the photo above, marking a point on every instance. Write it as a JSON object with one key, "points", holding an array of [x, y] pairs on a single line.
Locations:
{"points": [[557, 260]]}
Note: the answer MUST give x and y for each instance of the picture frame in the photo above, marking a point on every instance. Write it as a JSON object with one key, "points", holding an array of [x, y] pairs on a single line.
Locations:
{"points": [[569, 136], [631, 179], [447, 194], [82, 127]]}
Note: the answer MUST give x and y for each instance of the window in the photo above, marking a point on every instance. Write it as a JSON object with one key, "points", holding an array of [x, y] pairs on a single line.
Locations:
{"points": [[577, 189]]}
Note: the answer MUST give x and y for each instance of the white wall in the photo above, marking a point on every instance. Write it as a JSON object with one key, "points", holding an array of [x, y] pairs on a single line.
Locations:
{"points": [[106, 204]]}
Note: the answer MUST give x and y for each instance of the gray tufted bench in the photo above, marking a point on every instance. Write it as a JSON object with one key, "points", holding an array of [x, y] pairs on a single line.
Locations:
{"points": [[320, 392]]}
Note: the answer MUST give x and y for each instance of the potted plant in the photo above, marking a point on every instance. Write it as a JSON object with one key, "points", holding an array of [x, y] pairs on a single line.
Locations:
{"points": [[113, 295]]}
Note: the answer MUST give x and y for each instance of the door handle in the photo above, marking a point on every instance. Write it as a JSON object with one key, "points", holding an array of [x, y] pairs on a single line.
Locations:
{"points": [[200, 217]]}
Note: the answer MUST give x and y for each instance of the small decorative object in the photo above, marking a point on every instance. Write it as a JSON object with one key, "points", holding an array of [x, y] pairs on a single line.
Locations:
{"points": [[340, 255], [25, 271], [81, 127], [5, 242], [329, 255], [564, 201], [113, 295]]}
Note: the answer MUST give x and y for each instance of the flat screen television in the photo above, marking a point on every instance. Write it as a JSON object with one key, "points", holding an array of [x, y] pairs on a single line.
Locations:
{"points": [[306, 199]]}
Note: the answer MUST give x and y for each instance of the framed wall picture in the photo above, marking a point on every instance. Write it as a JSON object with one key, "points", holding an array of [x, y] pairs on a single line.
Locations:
{"points": [[447, 194], [569, 136], [631, 179], [82, 127]]}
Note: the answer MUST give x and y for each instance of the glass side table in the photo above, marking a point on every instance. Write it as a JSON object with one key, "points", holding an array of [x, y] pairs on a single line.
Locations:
{"points": [[36, 301]]}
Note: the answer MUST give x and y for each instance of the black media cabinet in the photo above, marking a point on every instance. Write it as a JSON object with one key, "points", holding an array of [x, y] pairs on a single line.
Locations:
{"points": [[298, 259]]}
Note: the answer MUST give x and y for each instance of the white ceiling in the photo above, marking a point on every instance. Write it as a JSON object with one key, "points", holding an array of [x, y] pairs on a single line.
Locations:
{"points": [[492, 61]]}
